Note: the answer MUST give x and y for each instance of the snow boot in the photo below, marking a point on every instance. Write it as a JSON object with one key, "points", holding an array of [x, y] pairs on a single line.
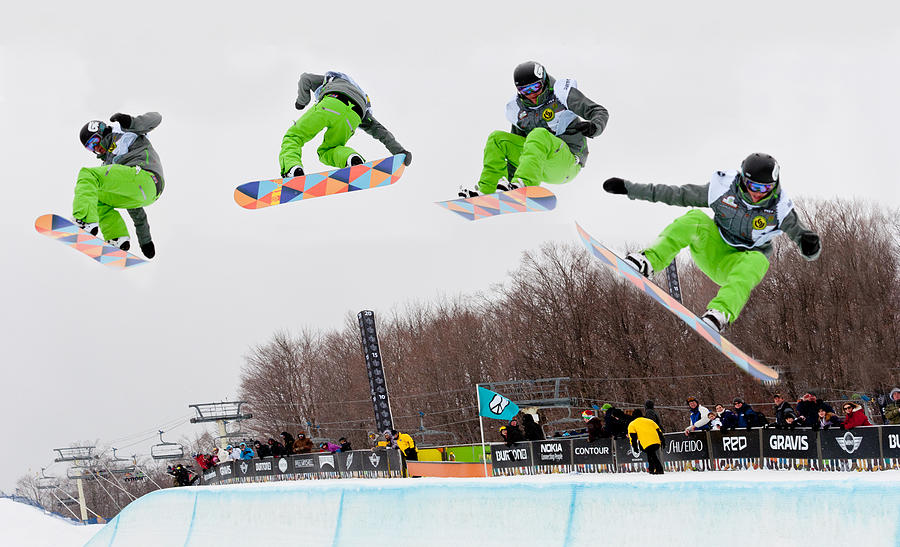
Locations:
{"points": [[640, 263], [92, 228], [505, 186], [295, 171], [468, 192], [123, 242], [716, 319]]}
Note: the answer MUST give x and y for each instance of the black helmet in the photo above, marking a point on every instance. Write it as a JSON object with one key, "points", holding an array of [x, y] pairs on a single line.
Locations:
{"points": [[760, 173], [91, 129], [529, 73], [760, 168]]}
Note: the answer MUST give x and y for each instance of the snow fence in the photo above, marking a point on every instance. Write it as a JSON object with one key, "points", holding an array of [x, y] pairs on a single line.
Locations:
{"points": [[757, 508]]}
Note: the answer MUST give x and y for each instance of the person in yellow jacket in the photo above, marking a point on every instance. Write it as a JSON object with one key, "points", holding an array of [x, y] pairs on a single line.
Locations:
{"points": [[402, 442], [646, 435]]}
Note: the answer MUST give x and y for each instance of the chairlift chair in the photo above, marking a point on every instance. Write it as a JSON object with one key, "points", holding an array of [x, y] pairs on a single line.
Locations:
{"points": [[166, 450], [46, 483], [75, 473]]}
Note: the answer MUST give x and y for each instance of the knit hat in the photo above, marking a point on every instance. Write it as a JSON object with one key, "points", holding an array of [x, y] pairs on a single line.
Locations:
{"points": [[587, 415], [738, 400], [606, 407]]}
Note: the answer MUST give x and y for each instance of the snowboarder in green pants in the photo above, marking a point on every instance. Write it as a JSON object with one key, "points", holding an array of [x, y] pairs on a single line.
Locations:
{"points": [[548, 139], [130, 178], [750, 211], [341, 106]]}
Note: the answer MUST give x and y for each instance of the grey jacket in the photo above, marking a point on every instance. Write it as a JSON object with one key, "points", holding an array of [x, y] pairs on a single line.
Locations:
{"points": [[133, 148], [337, 82], [559, 106], [741, 225]]}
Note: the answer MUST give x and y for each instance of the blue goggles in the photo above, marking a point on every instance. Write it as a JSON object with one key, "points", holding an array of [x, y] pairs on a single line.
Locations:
{"points": [[760, 187], [536, 87], [92, 143]]}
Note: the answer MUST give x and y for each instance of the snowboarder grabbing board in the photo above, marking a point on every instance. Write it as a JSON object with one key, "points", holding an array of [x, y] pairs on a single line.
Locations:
{"points": [[130, 178], [341, 107]]}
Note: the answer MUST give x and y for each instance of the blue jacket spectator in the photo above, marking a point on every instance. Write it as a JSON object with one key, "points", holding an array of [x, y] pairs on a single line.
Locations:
{"points": [[246, 452], [699, 416], [746, 416]]}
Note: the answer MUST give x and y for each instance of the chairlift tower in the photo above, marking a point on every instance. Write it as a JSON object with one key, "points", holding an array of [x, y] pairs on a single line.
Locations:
{"points": [[224, 413], [81, 456]]}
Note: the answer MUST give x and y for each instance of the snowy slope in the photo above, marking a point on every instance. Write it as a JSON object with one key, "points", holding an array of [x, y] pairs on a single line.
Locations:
{"points": [[26, 526], [759, 507]]}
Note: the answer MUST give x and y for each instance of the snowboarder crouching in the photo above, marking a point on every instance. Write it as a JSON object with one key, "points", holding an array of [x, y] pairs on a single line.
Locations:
{"points": [[341, 107], [548, 138]]}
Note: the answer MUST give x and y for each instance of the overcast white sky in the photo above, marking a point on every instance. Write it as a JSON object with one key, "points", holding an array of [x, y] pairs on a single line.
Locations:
{"points": [[89, 353]]}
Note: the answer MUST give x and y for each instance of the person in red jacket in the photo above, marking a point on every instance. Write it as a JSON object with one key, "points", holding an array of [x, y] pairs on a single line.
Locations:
{"points": [[854, 416], [203, 460]]}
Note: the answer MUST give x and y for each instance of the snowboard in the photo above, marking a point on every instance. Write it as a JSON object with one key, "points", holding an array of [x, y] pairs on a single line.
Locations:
{"points": [[520, 200], [66, 231], [742, 360], [266, 193]]}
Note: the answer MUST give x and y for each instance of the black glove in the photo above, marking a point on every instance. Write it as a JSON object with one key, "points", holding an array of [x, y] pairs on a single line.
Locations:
{"points": [[408, 159], [615, 185], [148, 249], [809, 244], [588, 129], [299, 106], [123, 119]]}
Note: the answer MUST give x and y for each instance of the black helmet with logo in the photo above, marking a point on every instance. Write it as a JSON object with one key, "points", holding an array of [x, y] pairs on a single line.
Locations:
{"points": [[761, 174], [760, 168], [531, 77]]}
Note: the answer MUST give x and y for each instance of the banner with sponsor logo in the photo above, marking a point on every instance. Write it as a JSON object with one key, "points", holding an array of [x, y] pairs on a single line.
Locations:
{"points": [[849, 450], [629, 460], [789, 449], [594, 456], [735, 449], [682, 452], [511, 460], [890, 446], [263, 467], [304, 464], [552, 452]]}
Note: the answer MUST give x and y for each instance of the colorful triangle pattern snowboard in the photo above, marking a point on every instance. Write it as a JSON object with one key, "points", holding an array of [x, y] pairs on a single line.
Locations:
{"points": [[66, 231], [266, 193], [742, 360], [520, 200]]}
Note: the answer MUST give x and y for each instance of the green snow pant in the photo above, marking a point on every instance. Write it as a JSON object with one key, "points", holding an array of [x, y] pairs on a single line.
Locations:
{"points": [[331, 113], [539, 157], [99, 191], [735, 271]]}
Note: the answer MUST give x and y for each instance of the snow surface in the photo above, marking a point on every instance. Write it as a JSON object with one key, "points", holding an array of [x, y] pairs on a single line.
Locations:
{"points": [[22, 525], [768, 508]]}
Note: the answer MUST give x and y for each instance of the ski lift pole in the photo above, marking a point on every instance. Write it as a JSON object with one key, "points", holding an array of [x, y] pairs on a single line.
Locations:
{"points": [[80, 485]]}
